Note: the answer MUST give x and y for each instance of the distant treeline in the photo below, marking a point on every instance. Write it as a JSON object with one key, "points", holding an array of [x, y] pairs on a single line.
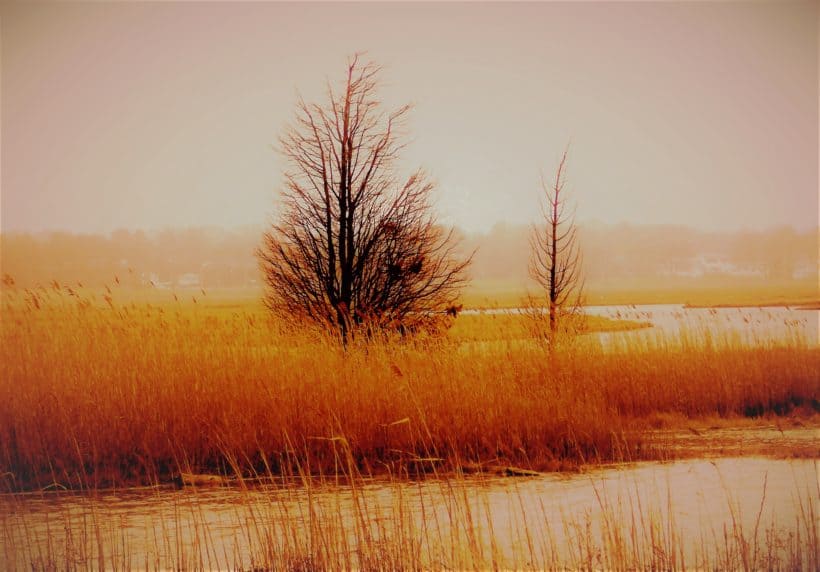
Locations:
{"points": [[220, 258], [612, 252]]}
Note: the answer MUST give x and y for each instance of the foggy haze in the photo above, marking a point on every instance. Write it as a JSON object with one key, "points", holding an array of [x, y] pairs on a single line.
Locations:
{"points": [[216, 258], [146, 116]]}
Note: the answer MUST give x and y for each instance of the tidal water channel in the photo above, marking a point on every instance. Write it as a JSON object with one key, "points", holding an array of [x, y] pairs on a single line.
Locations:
{"points": [[747, 325], [693, 513], [665, 323]]}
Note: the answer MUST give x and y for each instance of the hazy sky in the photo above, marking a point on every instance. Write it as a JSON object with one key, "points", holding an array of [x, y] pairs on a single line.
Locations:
{"points": [[154, 115]]}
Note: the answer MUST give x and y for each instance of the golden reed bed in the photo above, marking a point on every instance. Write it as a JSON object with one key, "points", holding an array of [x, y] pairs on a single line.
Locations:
{"points": [[94, 394]]}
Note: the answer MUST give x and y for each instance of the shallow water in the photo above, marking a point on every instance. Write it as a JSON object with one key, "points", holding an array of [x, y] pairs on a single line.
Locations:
{"points": [[746, 325], [681, 510]]}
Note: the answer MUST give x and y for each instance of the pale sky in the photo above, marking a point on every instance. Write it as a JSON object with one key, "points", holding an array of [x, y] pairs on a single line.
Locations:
{"points": [[154, 115]]}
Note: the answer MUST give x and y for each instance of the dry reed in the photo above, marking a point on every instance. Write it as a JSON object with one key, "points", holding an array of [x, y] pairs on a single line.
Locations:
{"points": [[96, 393]]}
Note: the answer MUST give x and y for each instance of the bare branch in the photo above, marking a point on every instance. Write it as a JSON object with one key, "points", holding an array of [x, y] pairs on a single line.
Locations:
{"points": [[555, 261], [353, 245]]}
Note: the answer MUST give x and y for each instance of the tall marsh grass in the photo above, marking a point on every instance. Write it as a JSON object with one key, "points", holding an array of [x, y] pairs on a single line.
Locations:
{"points": [[96, 393]]}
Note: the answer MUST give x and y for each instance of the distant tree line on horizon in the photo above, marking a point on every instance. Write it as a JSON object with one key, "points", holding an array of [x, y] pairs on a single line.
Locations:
{"points": [[212, 257]]}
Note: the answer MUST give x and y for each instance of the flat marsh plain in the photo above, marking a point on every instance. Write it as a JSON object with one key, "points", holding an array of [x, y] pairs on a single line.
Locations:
{"points": [[97, 393]]}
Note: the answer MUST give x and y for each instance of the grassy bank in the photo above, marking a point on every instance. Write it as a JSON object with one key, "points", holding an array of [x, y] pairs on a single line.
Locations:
{"points": [[501, 327], [92, 396], [702, 292]]}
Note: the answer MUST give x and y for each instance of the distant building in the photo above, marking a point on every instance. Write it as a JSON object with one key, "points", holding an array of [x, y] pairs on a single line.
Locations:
{"points": [[710, 264], [152, 279], [806, 270], [189, 280]]}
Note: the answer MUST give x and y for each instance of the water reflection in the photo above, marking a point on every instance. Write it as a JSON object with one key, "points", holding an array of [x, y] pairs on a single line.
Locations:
{"points": [[550, 519], [746, 324], [739, 325]]}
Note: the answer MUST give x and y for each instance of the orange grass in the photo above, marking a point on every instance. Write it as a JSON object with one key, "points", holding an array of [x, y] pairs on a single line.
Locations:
{"points": [[93, 395]]}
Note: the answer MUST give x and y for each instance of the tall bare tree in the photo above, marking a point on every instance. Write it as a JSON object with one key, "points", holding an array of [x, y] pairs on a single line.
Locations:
{"points": [[555, 262], [354, 244]]}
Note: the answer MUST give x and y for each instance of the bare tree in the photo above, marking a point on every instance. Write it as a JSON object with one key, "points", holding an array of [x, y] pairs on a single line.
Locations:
{"points": [[354, 244], [555, 262]]}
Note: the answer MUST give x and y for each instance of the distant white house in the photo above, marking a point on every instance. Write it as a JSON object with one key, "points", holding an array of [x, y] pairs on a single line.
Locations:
{"points": [[152, 279], [189, 280], [806, 270], [708, 263]]}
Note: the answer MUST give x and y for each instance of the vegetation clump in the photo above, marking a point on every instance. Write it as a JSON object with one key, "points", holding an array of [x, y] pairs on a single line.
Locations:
{"points": [[99, 393]]}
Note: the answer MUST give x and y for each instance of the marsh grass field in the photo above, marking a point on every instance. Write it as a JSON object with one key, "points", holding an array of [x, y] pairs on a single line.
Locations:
{"points": [[389, 286], [709, 291], [99, 393]]}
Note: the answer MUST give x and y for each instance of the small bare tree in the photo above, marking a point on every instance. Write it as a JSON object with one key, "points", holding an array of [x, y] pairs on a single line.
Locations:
{"points": [[555, 262], [354, 245]]}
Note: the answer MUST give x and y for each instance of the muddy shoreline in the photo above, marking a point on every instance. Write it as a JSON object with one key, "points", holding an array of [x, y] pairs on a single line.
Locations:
{"points": [[778, 438]]}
